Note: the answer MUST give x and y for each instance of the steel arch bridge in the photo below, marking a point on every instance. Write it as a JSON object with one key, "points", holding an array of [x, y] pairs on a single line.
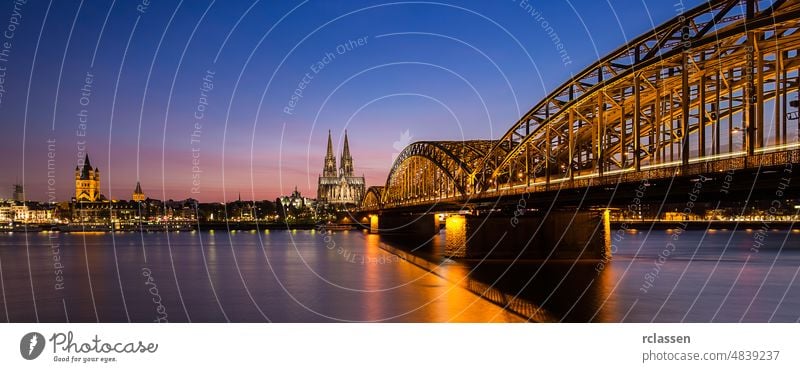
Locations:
{"points": [[426, 172], [714, 89]]}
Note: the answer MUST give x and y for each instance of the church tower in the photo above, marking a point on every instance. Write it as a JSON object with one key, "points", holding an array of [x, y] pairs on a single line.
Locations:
{"points": [[87, 182], [347, 160], [340, 187], [138, 195], [330, 161]]}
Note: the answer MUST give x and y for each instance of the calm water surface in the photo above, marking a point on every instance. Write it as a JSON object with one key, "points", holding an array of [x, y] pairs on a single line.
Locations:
{"points": [[307, 276]]}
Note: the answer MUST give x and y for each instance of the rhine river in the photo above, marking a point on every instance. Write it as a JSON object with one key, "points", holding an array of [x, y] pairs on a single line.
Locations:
{"points": [[308, 276]]}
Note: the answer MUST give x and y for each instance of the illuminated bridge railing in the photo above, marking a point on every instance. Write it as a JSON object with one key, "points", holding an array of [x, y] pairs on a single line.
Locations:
{"points": [[666, 171]]}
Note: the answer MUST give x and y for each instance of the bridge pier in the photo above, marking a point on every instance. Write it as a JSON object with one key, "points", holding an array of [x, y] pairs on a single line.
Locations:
{"points": [[373, 224], [423, 225], [559, 235]]}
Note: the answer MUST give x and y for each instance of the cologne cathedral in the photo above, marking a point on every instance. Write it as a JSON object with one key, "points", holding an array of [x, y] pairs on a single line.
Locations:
{"points": [[339, 188]]}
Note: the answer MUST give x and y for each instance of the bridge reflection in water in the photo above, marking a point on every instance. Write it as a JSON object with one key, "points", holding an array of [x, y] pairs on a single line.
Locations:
{"points": [[705, 279]]}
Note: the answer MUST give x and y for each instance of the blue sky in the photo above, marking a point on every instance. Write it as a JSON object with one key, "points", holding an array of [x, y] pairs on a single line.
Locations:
{"points": [[434, 70]]}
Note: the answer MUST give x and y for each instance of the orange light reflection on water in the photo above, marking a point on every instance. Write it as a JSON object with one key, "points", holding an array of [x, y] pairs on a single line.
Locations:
{"points": [[438, 297]]}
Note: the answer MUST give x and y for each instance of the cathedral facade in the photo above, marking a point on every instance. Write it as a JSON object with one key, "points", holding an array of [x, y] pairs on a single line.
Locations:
{"points": [[339, 188]]}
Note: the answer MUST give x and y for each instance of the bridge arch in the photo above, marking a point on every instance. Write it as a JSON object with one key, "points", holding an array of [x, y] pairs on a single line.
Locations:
{"points": [[432, 170], [692, 90], [373, 198]]}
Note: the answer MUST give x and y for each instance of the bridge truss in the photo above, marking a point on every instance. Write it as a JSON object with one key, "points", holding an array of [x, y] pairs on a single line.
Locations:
{"points": [[707, 90], [429, 171]]}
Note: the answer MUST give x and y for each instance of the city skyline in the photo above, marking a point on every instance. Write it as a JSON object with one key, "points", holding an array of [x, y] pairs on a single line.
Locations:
{"points": [[169, 82], [85, 192]]}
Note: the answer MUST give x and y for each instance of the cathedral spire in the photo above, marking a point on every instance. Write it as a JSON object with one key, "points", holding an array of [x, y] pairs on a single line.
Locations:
{"points": [[347, 160], [346, 149], [330, 160], [329, 154]]}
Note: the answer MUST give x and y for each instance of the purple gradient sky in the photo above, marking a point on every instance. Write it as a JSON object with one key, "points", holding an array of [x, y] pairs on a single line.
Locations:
{"points": [[450, 70]]}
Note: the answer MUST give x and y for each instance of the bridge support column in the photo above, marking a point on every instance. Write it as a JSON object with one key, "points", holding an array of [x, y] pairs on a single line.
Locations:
{"points": [[407, 225], [373, 224], [559, 235]]}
